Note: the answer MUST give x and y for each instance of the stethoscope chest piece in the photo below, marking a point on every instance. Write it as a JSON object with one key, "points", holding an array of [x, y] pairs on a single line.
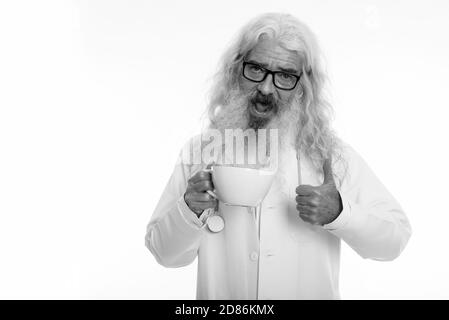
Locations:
{"points": [[215, 223]]}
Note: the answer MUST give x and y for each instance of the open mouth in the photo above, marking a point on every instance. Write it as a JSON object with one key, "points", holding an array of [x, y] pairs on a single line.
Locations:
{"points": [[261, 110]]}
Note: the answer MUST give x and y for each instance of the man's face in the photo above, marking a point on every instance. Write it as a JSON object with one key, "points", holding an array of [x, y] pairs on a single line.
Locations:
{"points": [[266, 99]]}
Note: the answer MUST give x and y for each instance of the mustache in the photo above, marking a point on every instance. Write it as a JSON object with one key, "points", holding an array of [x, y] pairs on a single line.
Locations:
{"points": [[264, 99]]}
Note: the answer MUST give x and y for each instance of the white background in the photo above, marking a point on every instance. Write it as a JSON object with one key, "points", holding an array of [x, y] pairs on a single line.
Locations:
{"points": [[97, 97]]}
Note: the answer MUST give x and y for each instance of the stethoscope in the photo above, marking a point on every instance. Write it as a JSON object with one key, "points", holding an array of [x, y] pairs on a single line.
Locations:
{"points": [[215, 222]]}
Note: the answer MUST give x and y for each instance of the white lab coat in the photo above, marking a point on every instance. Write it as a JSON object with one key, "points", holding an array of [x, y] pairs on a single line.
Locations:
{"points": [[292, 259]]}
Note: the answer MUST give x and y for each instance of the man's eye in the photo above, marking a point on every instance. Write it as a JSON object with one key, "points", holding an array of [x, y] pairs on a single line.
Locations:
{"points": [[285, 76], [254, 68]]}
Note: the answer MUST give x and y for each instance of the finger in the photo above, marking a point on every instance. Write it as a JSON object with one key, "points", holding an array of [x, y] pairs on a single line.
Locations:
{"points": [[201, 197], [193, 196], [301, 198], [203, 185], [199, 176], [327, 171], [309, 219], [307, 213], [307, 210], [304, 209], [305, 190], [202, 205], [307, 201], [306, 218]]}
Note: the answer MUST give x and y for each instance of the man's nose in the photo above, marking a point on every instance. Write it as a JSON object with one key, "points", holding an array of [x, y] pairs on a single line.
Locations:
{"points": [[266, 87]]}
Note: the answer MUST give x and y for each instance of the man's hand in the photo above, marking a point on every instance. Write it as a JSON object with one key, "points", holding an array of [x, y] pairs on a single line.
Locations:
{"points": [[196, 196], [319, 205]]}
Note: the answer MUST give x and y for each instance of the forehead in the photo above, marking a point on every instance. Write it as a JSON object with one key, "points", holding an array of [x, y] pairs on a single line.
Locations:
{"points": [[270, 53]]}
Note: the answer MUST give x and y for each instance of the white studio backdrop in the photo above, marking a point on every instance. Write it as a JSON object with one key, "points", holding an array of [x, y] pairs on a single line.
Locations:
{"points": [[97, 97]]}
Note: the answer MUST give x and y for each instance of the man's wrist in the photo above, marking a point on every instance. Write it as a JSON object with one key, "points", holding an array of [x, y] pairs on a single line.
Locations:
{"points": [[340, 205], [343, 217]]}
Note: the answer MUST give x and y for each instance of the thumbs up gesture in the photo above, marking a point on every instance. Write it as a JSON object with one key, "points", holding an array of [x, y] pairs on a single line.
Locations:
{"points": [[319, 205]]}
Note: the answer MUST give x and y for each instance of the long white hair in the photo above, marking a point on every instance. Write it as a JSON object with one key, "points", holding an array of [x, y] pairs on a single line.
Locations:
{"points": [[314, 136]]}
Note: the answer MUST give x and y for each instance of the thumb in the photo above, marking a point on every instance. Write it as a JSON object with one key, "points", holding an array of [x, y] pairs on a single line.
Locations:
{"points": [[327, 171]]}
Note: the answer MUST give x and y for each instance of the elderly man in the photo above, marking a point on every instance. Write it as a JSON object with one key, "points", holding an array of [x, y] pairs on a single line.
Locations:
{"points": [[271, 78]]}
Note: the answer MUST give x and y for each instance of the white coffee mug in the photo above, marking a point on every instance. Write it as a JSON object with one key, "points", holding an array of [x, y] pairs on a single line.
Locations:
{"points": [[240, 186]]}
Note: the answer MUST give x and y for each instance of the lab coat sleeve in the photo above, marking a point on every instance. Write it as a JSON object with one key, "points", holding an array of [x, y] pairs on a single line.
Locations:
{"points": [[174, 232], [372, 221]]}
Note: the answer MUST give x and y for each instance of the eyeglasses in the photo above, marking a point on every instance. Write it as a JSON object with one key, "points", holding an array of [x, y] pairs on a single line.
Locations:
{"points": [[281, 79]]}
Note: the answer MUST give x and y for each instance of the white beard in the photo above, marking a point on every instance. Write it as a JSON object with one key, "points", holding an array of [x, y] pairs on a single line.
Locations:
{"points": [[235, 115]]}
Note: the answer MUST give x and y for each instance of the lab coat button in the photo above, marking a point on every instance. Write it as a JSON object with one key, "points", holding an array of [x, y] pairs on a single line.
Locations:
{"points": [[253, 256]]}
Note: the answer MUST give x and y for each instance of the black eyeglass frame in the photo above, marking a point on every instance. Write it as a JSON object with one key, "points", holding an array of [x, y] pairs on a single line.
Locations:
{"points": [[273, 73]]}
